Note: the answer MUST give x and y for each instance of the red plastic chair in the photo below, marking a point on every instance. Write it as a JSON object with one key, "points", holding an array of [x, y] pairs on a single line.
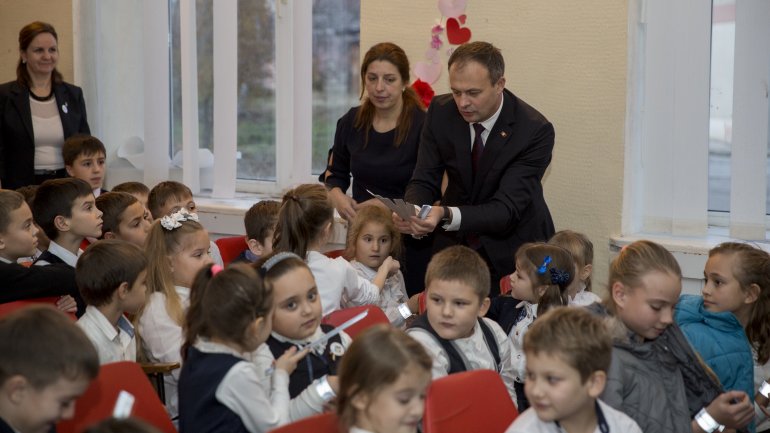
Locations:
{"points": [[470, 401], [98, 402], [333, 254], [375, 316], [231, 247], [10, 307], [505, 285], [323, 423]]}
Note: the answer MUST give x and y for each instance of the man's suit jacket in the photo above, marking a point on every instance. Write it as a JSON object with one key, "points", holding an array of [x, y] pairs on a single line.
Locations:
{"points": [[17, 142], [504, 207]]}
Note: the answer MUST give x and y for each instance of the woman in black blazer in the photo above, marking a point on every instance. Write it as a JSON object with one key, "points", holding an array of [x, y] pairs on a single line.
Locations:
{"points": [[38, 112]]}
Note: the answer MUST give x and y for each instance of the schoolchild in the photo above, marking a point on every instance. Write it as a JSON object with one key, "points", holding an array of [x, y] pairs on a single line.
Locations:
{"points": [[582, 250], [111, 276], [568, 354], [543, 274], [372, 238], [655, 377], [296, 322], [176, 249], [220, 390], [383, 382], [305, 224], [453, 329]]}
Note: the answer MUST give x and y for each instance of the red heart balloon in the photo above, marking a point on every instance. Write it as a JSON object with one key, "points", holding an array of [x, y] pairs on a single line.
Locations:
{"points": [[455, 34]]}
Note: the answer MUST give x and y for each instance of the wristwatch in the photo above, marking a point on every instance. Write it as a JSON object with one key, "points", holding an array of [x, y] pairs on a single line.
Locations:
{"points": [[447, 218]]}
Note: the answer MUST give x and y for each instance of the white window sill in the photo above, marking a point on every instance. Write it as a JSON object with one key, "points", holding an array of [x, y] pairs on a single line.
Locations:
{"points": [[224, 216], [690, 252]]}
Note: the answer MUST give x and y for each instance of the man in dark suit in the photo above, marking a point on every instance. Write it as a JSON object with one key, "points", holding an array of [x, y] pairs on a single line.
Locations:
{"points": [[495, 149]]}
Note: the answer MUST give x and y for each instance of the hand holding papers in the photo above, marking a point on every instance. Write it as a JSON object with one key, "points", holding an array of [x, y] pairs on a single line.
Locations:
{"points": [[401, 208]]}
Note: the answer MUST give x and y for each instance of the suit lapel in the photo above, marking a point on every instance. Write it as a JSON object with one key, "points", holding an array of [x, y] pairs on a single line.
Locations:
{"points": [[498, 138], [21, 102], [62, 100], [461, 140]]}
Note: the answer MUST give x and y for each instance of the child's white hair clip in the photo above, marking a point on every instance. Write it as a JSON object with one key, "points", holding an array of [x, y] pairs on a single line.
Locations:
{"points": [[175, 220]]}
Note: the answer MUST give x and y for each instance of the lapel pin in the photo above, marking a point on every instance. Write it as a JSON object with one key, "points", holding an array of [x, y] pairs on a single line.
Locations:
{"points": [[503, 134], [64, 108]]}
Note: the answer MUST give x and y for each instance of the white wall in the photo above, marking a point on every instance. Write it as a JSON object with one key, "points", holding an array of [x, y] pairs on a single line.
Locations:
{"points": [[568, 60]]}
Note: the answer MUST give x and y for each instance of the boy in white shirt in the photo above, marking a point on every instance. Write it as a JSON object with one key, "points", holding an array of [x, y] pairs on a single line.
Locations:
{"points": [[569, 351], [66, 211], [111, 276], [454, 331]]}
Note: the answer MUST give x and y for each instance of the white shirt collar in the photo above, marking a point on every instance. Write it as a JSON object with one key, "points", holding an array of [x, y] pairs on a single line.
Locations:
{"points": [[100, 322], [4, 260], [206, 346], [66, 256], [487, 124]]}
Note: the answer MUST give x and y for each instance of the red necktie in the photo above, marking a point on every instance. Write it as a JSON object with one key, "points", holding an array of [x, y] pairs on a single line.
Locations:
{"points": [[478, 147]]}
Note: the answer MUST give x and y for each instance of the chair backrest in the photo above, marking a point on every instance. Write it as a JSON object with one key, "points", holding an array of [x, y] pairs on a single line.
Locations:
{"points": [[375, 316], [231, 247], [505, 285], [323, 423], [333, 254], [470, 401], [98, 402], [10, 307]]}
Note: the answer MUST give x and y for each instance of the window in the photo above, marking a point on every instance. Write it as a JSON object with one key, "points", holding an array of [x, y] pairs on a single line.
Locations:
{"points": [[698, 141], [271, 39]]}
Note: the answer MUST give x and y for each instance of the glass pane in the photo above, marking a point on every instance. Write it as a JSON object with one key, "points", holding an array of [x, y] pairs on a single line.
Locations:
{"points": [[256, 84], [256, 89], [336, 78], [721, 118]]}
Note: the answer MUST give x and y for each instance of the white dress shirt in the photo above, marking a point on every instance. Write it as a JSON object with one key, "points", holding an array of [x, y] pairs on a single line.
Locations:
{"points": [[113, 342], [392, 295], [162, 339], [518, 358], [62, 253], [473, 350], [261, 400], [336, 278], [454, 225], [308, 402]]}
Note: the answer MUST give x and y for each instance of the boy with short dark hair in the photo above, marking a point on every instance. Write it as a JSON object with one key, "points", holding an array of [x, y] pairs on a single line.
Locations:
{"points": [[454, 330], [260, 222], [568, 351], [111, 276], [84, 158], [18, 238], [66, 211], [168, 197], [47, 363], [137, 189], [123, 217]]}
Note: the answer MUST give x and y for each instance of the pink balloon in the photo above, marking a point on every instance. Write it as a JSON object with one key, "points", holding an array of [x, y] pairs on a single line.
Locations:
{"points": [[452, 8], [428, 72]]}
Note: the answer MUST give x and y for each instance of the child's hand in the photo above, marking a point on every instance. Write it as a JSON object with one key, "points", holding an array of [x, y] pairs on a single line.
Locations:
{"points": [[334, 382], [288, 361], [67, 304], [732, 409], [414, 303], [391, 265]]}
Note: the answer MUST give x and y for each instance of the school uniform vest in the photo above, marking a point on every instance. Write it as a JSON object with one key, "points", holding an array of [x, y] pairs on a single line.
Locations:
{"points": [[199, 409], [49, 257], [312, 366], [456, 363], [4, 427]]}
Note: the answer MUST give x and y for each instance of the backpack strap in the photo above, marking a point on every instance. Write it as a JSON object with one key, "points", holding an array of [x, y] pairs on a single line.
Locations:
{"points": [[456, 363], [489, 338]]}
